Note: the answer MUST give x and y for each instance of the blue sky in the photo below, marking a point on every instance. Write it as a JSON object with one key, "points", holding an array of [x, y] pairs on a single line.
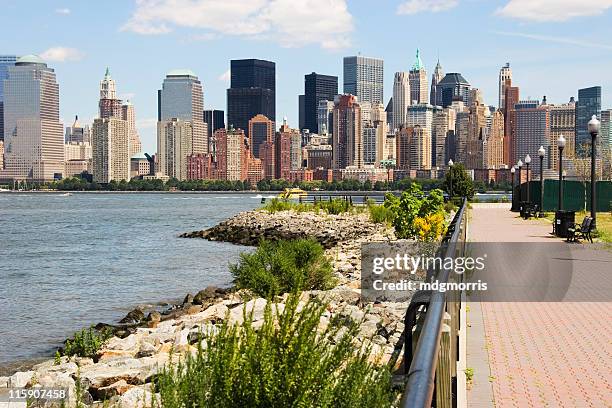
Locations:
{"points": [[553, 46]]}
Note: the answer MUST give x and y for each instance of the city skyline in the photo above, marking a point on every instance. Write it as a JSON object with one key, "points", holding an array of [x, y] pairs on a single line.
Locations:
{"points": [[531, 42]]}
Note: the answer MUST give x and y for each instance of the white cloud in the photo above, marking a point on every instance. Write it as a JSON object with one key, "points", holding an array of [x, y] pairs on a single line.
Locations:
{"points": [[433, 6], [554, 39], [62, 54], [225, 77], [553, 10], [292, 24], [64, 11]]}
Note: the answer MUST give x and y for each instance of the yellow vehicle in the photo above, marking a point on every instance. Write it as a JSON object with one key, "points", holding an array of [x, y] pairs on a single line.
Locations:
{"points": [[292, 193]]}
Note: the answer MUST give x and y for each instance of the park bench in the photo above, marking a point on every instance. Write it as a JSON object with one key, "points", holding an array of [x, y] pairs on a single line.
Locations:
{"points": [[581, 231]]}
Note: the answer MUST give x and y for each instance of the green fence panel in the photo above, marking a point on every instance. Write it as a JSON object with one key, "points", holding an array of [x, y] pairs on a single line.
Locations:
{"points": [[603, 196], [573, 195]]}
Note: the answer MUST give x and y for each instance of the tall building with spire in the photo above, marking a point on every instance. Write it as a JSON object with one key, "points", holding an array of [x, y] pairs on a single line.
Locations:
{"points": [[401, 99], [33, 134], [418, 81], [109, 105], [435, 94], [505, 79]]}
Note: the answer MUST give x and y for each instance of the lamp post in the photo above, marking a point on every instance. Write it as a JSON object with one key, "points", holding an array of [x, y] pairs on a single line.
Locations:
{"points": [[520, 166], [527, 162], [450, 172], [594, 125], [541, 153], [512, 171], [561, 146]]}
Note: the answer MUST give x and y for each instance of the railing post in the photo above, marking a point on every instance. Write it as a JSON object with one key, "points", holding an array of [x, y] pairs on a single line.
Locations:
{"points": [[444, 389]]}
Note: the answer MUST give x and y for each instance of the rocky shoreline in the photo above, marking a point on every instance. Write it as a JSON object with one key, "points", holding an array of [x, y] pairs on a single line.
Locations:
{"points": [[142, 343]]}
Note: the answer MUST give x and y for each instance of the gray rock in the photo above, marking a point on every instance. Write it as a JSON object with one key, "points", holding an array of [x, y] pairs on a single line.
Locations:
{"points": [[135, 316], [204, 295], [20, 379]]}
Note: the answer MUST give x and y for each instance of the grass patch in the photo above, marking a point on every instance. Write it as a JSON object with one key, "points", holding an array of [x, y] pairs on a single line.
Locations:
{"points": [[380, 214], [286, 363], [278, 267], [334, 206], [604, 223], [86, 343]]}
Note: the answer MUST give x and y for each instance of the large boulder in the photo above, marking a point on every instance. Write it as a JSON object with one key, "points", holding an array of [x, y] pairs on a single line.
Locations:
{"points": [[135, 316]]}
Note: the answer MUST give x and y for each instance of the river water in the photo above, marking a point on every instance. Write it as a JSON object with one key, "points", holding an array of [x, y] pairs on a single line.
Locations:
{"points": [[67, 261]]}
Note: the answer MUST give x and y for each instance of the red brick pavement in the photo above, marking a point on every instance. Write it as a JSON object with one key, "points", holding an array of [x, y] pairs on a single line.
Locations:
{"points": [[542, 354]]}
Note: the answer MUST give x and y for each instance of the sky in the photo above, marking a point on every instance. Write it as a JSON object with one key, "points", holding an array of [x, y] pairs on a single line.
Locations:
{"points": [[554, 47]]}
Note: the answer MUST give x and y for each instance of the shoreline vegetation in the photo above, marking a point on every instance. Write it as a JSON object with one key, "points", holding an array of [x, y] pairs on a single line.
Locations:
{"points": [[292, 328], [84, 184]]}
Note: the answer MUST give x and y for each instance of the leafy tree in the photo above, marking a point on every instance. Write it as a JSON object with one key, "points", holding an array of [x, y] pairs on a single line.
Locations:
{"points": [[463, 186]]}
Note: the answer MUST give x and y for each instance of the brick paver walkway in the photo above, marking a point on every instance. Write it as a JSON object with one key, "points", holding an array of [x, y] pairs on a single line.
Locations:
{"points": [[540, 354]]}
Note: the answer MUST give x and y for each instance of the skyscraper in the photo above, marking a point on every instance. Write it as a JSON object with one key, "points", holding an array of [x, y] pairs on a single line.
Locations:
{"points": [[588, 104], [606, 128], [435, 95], [174, 145], [562, 122], [443, 125], [108, 105], [413, 149], [401, 99], [317, 87], [302, 111], [375, 135], [110, 150], [261, 130], [347, 142], [325, 117], [77, 133], [128, 114], [511, 98], [493, 149], [454, 87], [215, 120], [5, 62], [181, 97], [505, 75], [363, 78], [532, 131], [252, 91], [33, 134], [418, 81]]}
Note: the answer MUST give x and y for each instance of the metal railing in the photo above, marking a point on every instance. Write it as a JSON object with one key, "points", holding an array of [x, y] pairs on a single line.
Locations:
{"points": [[433, 365]]}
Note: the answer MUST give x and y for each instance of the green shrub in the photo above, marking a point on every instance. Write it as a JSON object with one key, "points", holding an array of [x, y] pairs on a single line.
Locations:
{"points": [[380, 214], [413, 205], [284, 266], [334, 206], [277, 204], [286, 363], [86, 343]]}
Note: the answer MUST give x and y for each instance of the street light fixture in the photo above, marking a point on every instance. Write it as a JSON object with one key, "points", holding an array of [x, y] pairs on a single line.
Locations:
{"points": [[520, 166], [450, 172], [528, 162], [594, 126], [561, 146], [512, 171], [541, 153]]}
